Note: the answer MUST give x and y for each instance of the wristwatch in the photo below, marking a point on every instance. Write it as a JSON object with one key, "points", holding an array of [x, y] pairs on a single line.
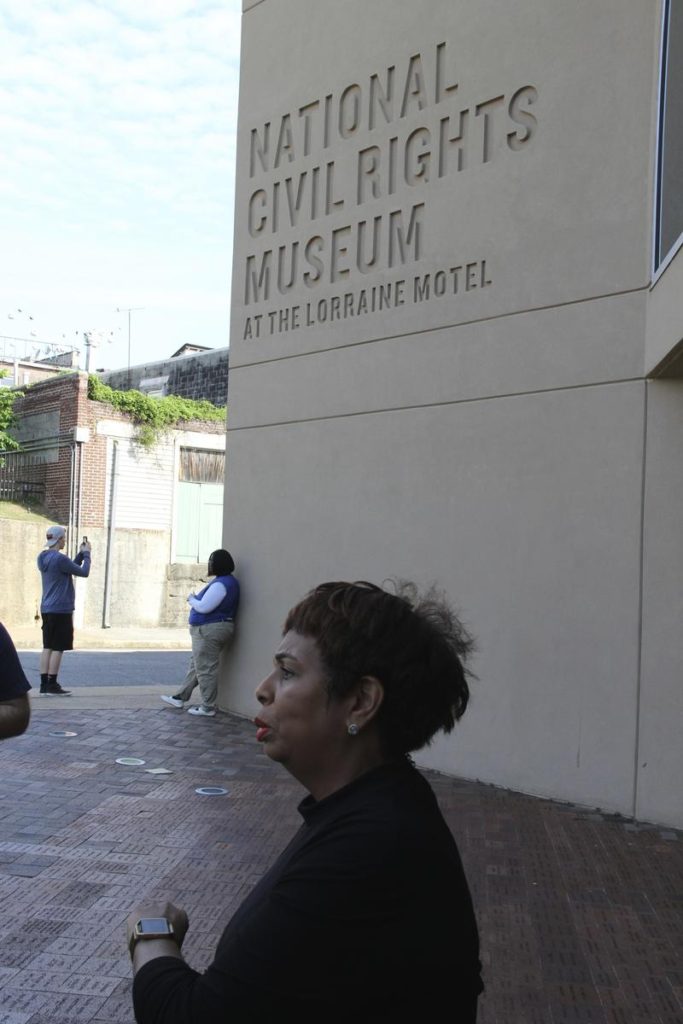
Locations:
{"points": [[151, 928]]}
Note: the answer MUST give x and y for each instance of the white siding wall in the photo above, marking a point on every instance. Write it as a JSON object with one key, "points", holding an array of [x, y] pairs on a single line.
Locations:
{"points": [[144, 499]]}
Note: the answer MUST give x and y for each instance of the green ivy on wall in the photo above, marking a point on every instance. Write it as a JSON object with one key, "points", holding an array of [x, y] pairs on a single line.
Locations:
{"points": [[7, 417], [153, 416]]}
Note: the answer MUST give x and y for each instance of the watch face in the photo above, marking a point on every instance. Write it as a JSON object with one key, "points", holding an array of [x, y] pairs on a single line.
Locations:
{"points": [[153, 925]]}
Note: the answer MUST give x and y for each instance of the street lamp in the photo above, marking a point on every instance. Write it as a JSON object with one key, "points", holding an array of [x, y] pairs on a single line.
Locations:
{"points": [[129, 310]]}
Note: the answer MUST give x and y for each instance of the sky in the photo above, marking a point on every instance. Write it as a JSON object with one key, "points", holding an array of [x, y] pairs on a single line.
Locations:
{"points": [[117, 162]]}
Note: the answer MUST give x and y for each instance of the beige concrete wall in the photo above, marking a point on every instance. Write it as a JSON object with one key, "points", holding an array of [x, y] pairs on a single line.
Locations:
{"points": [[664, 345], [489, 437], [660, 751], [20, 543]]}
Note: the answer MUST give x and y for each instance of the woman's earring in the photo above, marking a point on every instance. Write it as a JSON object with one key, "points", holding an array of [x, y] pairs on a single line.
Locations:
{"points": [[352, 729]]}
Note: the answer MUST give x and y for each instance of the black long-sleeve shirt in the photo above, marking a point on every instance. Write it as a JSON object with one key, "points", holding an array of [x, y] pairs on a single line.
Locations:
{"points": [[13, 682], [365, 916]]}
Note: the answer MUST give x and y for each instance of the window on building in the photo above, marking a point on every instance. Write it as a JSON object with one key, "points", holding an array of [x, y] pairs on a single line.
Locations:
{"points": [[200, 466], [669, 198]]}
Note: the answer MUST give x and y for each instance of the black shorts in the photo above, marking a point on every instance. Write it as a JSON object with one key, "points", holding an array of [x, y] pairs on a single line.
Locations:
{"points": [[58, 631]]}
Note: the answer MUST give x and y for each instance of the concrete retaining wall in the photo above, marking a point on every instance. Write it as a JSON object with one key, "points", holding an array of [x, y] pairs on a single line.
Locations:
{"points": [[145, 589]]}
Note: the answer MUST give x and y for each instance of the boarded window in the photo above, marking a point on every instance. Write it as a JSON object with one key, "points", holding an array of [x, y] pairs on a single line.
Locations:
{"points": [[198, 466]]}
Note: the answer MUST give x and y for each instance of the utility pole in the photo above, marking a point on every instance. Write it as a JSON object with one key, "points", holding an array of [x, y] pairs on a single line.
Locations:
{"points": [[128, 310]]}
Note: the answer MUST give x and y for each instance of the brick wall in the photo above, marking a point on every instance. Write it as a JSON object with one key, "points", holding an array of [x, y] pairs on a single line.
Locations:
{"points": [[65, 401]]}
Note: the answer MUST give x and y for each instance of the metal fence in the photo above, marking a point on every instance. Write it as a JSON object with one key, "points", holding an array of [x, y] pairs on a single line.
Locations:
{"points": [[22, 477]]}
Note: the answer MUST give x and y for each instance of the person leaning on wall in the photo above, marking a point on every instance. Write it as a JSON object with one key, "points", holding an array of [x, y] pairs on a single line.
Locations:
{"points": [[212, 626], [15, 710], [57, 605]]}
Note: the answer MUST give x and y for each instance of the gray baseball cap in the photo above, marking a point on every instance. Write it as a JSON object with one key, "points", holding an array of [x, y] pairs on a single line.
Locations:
{"points": [[54, 535]]}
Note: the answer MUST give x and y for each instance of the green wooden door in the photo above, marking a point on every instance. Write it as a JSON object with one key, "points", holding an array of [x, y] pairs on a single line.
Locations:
{"points": [[199, 524]]}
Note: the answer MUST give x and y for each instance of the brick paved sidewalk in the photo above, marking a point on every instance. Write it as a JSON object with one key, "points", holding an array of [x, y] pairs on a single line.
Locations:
{"points": [[580, 914]]}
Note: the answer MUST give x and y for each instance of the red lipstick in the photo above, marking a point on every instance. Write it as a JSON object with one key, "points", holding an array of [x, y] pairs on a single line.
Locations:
{"points": [[262, 729]]}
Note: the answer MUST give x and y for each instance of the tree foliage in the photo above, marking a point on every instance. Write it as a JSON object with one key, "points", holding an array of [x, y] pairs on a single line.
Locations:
{"points": [[153, 416], [7, 418]]}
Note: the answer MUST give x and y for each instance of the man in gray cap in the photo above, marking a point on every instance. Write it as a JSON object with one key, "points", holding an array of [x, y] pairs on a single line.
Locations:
{"points": [[57, 605]]}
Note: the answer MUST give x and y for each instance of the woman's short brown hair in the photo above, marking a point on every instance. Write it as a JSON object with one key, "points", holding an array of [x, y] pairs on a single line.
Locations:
{"points": [[414, 644]]}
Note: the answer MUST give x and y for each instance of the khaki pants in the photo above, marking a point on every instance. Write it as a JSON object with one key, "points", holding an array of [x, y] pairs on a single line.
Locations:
{"points": [[207, 643]]}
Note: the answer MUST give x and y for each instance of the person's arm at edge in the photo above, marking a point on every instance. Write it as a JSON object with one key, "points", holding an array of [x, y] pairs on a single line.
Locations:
{"points": [[15, 715], [161, 951]]}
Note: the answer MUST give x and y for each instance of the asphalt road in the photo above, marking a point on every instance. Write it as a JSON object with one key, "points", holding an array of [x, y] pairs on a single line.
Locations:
{"points": [[113, 668]]}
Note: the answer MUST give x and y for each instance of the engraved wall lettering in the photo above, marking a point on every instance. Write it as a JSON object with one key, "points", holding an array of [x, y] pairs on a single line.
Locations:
{"points": [[315, 184], [414, 90], [258, 148], [441, 90], [356, 107], [382, 98], [306, 112], [349, 111], [257, 283], [448, 142], [368, 186], [487, 110], [327, 133], [285, 142], [340, 251], [396, 240], [425, 128], [421, 287], [401, 238], [417, 155], [256, 218], [299, 197], [431, 286], [314, 246], [294, 195], [520, 114], [451, 281], [367, 257], [286, 278], [331, 201], [275, 216]]}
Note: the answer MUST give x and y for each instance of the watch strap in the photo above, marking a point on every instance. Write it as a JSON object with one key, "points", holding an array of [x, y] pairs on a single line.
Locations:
{"points": [[139, 935]]}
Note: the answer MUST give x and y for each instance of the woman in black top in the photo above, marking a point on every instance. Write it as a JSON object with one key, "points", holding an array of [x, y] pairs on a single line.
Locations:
{"points": [[366, 915]]}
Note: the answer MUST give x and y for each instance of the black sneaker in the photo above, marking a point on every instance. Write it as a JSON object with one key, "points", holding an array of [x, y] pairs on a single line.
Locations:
{"points": [[55, 690]]}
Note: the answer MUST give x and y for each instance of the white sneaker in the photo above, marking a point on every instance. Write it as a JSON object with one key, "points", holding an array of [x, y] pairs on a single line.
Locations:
{"points": [[175, 702], [200, 711]]}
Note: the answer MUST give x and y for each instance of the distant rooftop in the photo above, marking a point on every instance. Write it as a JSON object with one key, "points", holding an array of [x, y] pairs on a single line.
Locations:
{"points": [[187, 349]]}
